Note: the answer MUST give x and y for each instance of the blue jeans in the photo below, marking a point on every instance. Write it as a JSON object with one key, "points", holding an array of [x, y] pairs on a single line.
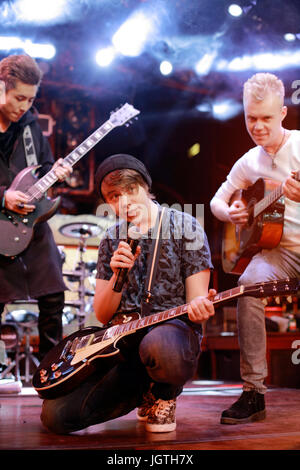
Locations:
{"points": [[267, 265], [167, 355]]}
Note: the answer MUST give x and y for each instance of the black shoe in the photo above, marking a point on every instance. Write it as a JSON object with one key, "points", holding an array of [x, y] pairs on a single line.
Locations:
{"points": [[249, 407]]}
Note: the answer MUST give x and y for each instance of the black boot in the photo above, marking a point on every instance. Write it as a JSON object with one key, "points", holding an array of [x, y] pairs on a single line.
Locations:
{"points": [[249, 407], [50, 321]]}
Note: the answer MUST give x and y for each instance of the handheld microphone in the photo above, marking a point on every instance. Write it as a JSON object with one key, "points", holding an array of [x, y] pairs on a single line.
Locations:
{"points": [[133, 239]]}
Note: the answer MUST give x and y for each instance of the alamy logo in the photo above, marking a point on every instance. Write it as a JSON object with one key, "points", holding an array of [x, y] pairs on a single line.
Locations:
{"points": [[188, 226], [296, 95], [296, 354]]}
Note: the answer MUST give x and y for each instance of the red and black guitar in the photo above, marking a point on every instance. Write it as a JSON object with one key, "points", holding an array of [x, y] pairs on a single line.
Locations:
{"points": [[81, 353], [265, 204], [16, 229]]}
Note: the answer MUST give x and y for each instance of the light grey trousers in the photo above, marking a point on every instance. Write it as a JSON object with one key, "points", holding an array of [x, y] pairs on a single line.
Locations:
{"points": [[267, 265]]}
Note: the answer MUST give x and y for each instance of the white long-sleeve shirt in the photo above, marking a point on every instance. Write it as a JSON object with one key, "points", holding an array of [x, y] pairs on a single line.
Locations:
{"points": [[256, 163]]}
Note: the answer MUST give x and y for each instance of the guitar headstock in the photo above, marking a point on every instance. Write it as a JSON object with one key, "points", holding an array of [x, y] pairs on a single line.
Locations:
{"points": [[280, 287], [123, 115]]}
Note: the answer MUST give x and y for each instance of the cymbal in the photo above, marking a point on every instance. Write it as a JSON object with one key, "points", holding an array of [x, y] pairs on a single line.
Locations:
{"points": [[80, 229]]}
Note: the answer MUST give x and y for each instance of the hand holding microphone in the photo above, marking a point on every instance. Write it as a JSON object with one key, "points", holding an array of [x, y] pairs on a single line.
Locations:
{"points": [[124, 257]]}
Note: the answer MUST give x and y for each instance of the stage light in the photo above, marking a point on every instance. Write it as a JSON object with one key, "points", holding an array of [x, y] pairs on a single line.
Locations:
{"points": [[104, 57], [240, 63], [226, 109], [43, 51], [235, 10], [131, 37], [265, 61], [204, 107], [204, 65], [290, 37], [166, 67], [194, 150], [37, 11], [8, 43]]}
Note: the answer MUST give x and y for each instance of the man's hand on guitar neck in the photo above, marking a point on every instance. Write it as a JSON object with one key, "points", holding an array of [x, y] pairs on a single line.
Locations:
{"points": [[237, 213], [201, 308], [291, 187], [62, 169]]}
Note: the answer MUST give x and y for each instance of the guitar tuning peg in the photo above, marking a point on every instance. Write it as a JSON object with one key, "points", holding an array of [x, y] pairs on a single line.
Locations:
{"points": [[277, 300], [264, 301], [289, 299]]}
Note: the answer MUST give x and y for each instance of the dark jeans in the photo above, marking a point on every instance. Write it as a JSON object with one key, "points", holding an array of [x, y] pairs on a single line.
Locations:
{"points": [[49, 321], [167, 355]]}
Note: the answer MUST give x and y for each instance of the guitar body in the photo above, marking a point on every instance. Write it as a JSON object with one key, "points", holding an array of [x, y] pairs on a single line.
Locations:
{"points": [[241, 243], [57, 373], [16, 229]]}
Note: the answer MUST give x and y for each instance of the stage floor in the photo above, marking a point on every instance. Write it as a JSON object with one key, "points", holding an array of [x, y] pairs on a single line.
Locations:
{"points": [[198, 424]]}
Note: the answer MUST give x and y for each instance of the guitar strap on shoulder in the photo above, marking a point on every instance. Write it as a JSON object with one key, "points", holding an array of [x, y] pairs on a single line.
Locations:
{"points": [[153, 259], [30, 153]]}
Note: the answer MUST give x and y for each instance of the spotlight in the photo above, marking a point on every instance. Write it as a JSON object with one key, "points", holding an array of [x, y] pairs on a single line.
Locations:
{"points": [[235, 10], [35, 10], [204, 65], [131, 37], [104, 57], [226, 109], [166, 67], [10, 42], [44, 51], [290, 37]]}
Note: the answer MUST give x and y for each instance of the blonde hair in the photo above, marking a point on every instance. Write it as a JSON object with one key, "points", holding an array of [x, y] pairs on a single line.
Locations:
{"points": [[260, 84]]}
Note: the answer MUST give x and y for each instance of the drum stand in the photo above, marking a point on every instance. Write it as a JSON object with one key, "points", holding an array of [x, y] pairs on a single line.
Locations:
{"points": [[81, 288], [82, 232], [23, 328], [27, 354]]}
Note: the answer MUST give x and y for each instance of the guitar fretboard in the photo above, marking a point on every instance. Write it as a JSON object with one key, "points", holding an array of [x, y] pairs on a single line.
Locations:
{"points": [[169, 314], [273, 196], [37, 191], [267, 201]]}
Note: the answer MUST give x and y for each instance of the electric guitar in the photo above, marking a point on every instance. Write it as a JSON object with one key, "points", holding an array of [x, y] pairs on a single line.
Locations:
{"points": [[16, 229], [94, 348], [264, 201]]}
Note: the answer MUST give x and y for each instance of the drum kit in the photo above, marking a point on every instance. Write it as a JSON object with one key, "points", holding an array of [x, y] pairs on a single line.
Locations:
{"points": [[81, 281]]}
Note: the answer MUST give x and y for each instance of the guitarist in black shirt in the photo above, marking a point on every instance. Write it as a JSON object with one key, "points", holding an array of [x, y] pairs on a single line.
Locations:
{"points": [[36, 272]]}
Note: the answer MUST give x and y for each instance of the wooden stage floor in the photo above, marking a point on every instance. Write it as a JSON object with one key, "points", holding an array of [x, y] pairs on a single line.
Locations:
{"points": [[198, 424]]}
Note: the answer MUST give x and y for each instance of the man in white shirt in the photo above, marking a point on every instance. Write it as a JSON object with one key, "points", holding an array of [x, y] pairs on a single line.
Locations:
{"points": [[276, 156]]}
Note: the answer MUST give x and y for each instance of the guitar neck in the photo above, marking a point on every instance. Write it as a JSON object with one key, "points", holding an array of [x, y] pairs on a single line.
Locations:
{"points": [[173, 312], [263, 289], [37, 191], [272, 197], [268, 200]]}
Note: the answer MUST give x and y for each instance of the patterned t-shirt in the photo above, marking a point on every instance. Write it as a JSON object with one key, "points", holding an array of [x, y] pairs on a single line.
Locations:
{"points": [[184, 251]]}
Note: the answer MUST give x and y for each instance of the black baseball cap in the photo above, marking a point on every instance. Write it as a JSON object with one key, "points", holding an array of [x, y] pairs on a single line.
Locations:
{"points": [[118, 162]]}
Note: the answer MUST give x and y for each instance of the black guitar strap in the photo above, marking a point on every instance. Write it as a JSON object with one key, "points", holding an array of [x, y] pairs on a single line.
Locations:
{"points": [[30, 153], [153, 259]]}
